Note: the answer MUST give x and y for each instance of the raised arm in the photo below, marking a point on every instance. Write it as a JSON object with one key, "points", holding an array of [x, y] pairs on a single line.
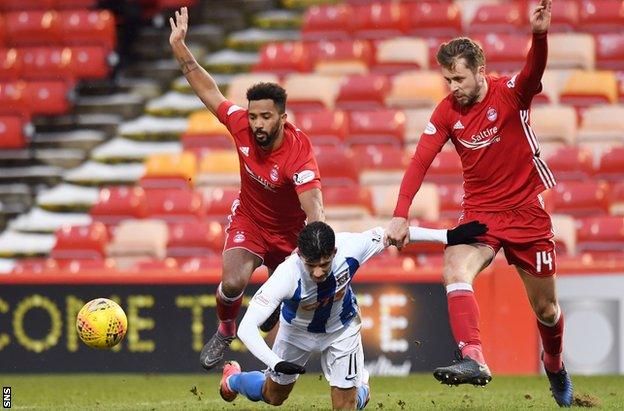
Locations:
{"points": [[528, 82], [202, 83], [312, 204]]}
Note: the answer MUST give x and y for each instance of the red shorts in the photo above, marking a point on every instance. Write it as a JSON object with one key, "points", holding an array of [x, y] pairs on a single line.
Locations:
{"points": [[525, 235], [271, 247]]}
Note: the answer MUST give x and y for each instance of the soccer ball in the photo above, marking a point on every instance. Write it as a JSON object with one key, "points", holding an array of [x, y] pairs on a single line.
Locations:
{"points": [[101, 323]]}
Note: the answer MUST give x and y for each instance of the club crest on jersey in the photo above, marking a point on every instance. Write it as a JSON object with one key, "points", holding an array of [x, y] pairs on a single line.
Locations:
{"points": [[491, 114], [239, 237], [259, 179], [274, 173]]}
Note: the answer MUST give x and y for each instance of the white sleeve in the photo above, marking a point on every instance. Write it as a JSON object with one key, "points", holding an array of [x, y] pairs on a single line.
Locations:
{"points": [[369, 244], [280, 286], [419, 234]]}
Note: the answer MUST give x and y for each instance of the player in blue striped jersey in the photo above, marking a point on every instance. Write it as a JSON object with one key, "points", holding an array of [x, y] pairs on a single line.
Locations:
{"points": [[319, 314]]}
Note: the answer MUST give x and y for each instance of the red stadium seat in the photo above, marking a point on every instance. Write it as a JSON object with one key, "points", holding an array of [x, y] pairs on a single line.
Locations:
{"points": [[119, 203], [34, 265], [168, 264], [565, 15], [327, 22], [610, 51], [199, 263], [81, 242], [451, 199], [323, 126], [219, 203], [363, 92], [347, 202], [499, 18], [611, 165], [89, 62], [581, 198], [3, 39], [82, 265], [282, 58], [75, 4], [429, 19], [601, 16], [376, 127], [11, 66], [12, 132], [13, 5], [505, 52], [47, 97], [345, 50], [617, 199], [175, 205], [571, 163], [446, 168], [195, 239], [88, 28], [45, 63], [601, 235], [33, 28], [379, 20], [380, 157], [337, 167]]}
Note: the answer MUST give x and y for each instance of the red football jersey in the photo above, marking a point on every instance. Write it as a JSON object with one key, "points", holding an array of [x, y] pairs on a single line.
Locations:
{"points": [[270, 182], [499, 151]]}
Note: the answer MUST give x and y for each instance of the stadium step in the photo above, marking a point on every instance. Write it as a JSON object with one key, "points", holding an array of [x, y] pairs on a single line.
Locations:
{"points": [[126, 105], [104, 122], [76, 139]]}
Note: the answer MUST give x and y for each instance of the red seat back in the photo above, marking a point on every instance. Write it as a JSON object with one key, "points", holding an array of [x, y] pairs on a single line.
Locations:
{"points": [[363, 92], [119, 203], [82, 242]]}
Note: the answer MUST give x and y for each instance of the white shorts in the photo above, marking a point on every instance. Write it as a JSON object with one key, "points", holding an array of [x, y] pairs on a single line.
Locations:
{"points": [[342, 356]]}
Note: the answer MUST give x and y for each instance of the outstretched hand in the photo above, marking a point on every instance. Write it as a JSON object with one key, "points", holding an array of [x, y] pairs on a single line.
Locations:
{"points": [[540, 18], [179, 27], [289, 368], [466, 233]]}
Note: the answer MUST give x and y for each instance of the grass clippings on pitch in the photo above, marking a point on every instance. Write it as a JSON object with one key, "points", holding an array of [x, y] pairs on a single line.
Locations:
{"points": [[200, 392]]}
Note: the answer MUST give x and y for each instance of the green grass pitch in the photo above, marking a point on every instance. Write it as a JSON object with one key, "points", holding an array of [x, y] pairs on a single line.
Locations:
{"points": [[200, 392]]}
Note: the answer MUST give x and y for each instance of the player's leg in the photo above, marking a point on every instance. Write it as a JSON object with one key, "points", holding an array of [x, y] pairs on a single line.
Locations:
{"points": [[543, 298], [280, 247], [238, 265], [462, 263], [343, 365]]}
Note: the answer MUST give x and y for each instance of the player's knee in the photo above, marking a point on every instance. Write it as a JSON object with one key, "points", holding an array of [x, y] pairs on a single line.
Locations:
{"points": [[452, 276], [232, 285], [546, 312]]}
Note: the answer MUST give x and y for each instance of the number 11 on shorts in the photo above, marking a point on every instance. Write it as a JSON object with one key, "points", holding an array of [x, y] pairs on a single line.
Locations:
{"points": [[545, 258]]}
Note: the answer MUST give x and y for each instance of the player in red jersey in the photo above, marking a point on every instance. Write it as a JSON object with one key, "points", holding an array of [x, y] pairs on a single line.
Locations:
{"points": [[280, 187], [487, 119]]}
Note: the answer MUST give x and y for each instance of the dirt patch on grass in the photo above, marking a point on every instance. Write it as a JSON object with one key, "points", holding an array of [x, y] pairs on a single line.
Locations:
{"points": [[586, 400]]}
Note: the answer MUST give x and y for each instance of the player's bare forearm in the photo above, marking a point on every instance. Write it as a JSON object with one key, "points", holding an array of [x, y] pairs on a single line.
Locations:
{"points": [[201, 82], [312, 204]]}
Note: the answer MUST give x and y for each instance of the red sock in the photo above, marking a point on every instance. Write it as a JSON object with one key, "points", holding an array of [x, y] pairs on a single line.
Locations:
{"points": [[227, 311], [552, 341], [464, 318]]}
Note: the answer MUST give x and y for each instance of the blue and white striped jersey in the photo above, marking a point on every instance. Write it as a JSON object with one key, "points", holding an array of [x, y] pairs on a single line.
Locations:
{"points": [[324, 307]]}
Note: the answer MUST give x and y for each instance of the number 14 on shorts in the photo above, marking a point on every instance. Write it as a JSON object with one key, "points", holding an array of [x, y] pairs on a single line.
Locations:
{"points": [[543, 258]]}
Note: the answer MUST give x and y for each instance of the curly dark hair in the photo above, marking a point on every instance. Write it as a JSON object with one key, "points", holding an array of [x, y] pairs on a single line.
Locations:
{"points": [[317, 240], [268, 91], [461, 47]]}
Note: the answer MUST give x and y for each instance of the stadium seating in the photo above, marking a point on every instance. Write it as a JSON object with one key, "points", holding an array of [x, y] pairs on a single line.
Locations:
{"points": [[283, 58], [601, 235], [237, 90], [324, 127], [220, 203], [330, 22], [33, 28], [12, 132], [507, 17], [175, 205], [604, 123], [505, 52], [170, 171], [400, 54], [446, 168], [379, 20], [564, 228], [376, 127], [414, 89], [586, 88], [347, 202], [617, 199], [119, 203], [451, 198], [581, 198], [599, 16], [565, 16], [310, 92], [381, 164], [341, 56], [195, 238], [337, 166], [571, 51], [610, 51], [219, 169], [571, 163], [554, 123], [611, 165], [81, 242], [362, 92], [434, 19], [138, 240]]}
